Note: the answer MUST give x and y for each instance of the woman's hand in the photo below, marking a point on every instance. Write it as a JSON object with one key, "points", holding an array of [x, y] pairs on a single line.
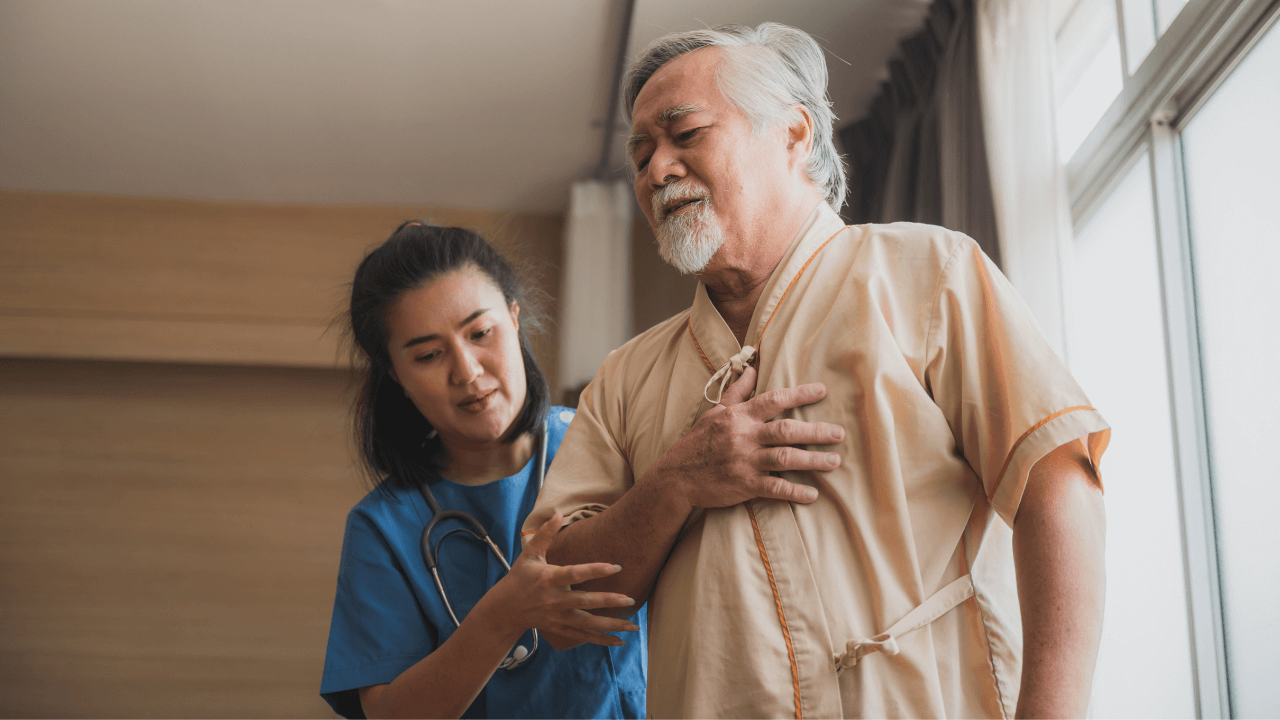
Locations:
{"points": [[538, 595]]}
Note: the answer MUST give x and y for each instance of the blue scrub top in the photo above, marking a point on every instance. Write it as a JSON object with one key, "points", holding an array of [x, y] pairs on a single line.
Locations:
{"points": [[388, 615]]}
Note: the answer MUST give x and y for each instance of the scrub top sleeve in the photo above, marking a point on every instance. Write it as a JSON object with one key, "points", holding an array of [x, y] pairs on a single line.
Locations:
{"points": [[590, 471], [1007, 396], [378, 630]]}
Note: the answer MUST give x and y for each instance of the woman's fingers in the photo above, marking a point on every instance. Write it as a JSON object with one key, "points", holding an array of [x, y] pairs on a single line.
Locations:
{"points": [[596, 638], [541, 540], [574, 574], [583, 620]]}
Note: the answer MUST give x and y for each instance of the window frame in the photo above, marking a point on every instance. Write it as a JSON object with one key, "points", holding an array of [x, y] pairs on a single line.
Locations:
{"points": [[1189, 61]]}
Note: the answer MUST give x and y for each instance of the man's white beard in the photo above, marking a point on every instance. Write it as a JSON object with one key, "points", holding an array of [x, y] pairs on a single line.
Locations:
{"points": [[687, 240]]}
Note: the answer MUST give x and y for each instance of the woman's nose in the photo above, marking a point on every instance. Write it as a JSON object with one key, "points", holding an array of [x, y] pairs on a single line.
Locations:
{"points": [[466, 367]]}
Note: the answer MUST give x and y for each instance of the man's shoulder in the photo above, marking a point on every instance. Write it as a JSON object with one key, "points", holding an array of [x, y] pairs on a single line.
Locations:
{"points": [[650, 343], [910, 240]]}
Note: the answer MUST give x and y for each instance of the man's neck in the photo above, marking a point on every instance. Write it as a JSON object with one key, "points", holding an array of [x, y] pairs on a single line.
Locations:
{"points": [[739, 272]]}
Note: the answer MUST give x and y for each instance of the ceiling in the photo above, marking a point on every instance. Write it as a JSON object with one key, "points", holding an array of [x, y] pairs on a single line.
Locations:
{"points": [[485, 104]]}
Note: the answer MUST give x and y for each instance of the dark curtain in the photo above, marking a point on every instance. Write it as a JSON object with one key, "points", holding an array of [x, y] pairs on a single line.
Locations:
{"points": [[919, 154]]}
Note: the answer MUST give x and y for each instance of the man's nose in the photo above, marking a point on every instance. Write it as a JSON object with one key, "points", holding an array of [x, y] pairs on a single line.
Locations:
{"points": [[664, 169]]}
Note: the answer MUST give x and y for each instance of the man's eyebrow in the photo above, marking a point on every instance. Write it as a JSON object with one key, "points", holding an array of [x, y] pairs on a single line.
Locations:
{"points": [[677, 112], [429, 338], [664, 118], [633, 142]]}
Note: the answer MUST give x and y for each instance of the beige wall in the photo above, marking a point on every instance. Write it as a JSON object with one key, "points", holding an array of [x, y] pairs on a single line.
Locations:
{"points": [[174, 453], [169, 537], [192, 281], [657, 290]]}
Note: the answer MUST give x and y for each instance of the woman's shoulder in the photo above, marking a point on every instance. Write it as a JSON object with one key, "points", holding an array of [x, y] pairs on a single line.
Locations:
{"points": [[387, 504]]}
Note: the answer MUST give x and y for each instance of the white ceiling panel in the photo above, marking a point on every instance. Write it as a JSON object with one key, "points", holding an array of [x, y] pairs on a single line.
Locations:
{"points": [[478, 104]]}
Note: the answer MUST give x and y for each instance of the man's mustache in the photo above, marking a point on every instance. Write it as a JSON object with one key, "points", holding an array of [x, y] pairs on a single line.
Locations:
{"points": [[676, 192]]}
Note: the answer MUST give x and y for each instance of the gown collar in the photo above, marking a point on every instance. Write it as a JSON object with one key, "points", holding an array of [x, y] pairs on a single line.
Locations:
{"points": [[712, 333]]}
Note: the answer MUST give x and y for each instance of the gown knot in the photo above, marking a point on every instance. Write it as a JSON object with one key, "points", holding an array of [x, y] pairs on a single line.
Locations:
{"points": [[726, 373]]}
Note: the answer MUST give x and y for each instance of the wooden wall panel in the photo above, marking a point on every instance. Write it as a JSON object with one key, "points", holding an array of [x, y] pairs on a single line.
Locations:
{"points": [[85, 276], [658, 290], [169, 537]]}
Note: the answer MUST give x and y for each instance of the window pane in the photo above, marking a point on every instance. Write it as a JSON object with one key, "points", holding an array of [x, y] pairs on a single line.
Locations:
{"points": [[1118, 355], [1166, 11], [1232, 153], [1088, 76], [1139, 31]]}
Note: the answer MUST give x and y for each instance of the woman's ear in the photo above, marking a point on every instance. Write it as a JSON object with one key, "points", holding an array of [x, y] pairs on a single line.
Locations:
{"points": [[515, 314], [392, 372]]}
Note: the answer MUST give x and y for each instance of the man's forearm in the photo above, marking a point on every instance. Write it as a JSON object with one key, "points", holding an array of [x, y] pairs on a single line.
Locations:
{"points": [[636, 532], [1058, 543]]}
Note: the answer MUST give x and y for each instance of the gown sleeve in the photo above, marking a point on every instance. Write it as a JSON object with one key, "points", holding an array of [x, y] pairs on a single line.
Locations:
{"points": [[378, 629], [590, 471], [1007, 396]]}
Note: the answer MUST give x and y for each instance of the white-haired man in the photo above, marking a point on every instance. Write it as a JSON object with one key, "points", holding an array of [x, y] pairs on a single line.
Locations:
{"points": [[858, 538]]}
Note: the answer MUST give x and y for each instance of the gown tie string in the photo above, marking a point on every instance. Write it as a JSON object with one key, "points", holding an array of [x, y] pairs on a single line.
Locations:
{"points": [[725, 374]]}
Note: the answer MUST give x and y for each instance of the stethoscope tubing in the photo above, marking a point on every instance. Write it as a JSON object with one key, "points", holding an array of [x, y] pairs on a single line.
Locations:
{"points": [[430, 555]]}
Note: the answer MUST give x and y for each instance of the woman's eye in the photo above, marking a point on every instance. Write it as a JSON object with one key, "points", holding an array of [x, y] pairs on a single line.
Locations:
{"points": [[481, 333], [429, 356]]}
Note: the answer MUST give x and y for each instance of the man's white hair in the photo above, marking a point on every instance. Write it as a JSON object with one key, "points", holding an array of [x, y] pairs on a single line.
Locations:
{"points": [[766, 71]]}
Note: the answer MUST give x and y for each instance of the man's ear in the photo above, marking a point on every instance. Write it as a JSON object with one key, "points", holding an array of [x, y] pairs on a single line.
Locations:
{"points": [[800, 132]]}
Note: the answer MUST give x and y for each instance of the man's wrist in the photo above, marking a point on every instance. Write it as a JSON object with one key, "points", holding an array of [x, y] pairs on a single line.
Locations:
{"points": [[667, 487]]}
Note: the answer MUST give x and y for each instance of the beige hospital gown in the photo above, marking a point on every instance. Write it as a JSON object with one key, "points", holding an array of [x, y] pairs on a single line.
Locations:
{"points": [[893, 595]]}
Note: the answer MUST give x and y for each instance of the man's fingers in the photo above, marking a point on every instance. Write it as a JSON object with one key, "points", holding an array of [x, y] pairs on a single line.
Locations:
{"points": [[783, 457], [541, 540], [779, 489], [768, 405], [574, 574], [739, 390], [797, 432]]}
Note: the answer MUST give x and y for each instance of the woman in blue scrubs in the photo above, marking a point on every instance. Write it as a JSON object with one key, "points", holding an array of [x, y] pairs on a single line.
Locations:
{"points": [[453, 400]]}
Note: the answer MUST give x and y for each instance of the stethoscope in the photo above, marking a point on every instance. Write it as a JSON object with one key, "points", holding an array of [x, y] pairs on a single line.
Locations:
{"points": [[431, 555]]}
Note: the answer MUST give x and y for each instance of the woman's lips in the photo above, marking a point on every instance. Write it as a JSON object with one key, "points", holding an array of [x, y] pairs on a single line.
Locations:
{"points": [[478, 404]]}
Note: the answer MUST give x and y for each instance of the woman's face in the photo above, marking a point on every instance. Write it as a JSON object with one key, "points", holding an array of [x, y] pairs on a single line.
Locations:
{"points": [[455, 349]]}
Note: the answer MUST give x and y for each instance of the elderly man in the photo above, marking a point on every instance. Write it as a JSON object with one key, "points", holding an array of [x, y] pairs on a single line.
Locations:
{"points": [[904, 518]]}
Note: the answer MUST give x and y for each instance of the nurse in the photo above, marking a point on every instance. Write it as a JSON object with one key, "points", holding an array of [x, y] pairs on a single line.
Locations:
{"points": [[454, 401]]}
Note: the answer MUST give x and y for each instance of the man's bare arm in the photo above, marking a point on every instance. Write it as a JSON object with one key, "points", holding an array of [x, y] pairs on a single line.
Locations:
{"points": [[1058, 540], [723, 460]]}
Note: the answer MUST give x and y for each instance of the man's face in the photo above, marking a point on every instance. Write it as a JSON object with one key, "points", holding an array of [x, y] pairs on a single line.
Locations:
{"points": [[702, 178]]}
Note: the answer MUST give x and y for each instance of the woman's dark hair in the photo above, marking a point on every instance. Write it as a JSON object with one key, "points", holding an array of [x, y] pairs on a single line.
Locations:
{"points": [[390, 432]]}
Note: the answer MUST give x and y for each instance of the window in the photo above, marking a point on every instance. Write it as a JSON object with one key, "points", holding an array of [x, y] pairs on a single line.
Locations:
{"points": [[1117, 355], [1166, 127], [1232, 166]]}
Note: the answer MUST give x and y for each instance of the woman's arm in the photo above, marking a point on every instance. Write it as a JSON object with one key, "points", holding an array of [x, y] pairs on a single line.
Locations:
{"points": [[533, 594]]}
